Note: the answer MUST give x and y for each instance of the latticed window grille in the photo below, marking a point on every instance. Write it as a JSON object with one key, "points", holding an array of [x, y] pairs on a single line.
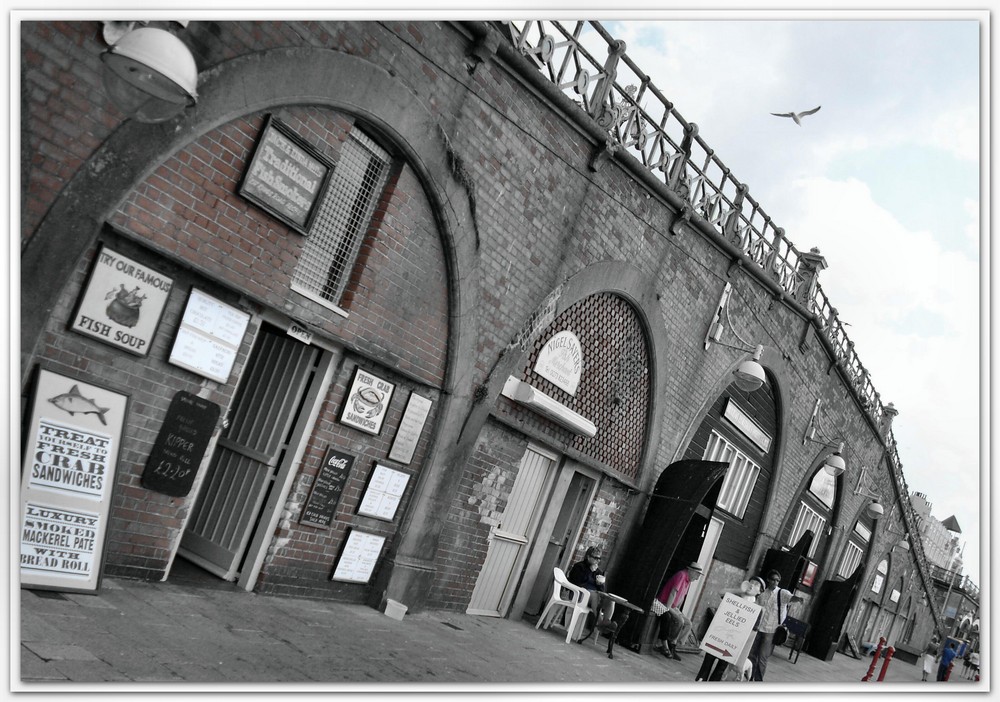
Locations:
{"points": [[807, 519], [850, 561], [342, 220], [734, 496], [614, 388]]}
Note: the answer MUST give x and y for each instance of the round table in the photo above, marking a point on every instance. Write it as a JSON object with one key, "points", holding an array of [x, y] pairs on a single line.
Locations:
{"points": [[622, 605]]}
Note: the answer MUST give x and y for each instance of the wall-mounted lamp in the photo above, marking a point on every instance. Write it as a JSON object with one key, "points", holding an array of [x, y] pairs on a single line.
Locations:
{"points": [[866, 486], [834, 463], [536, 400], [149, 74], [750, 374]]}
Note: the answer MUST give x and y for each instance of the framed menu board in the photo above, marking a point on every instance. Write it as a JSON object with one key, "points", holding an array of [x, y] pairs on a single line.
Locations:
{"points": [[358, 558], [385, 490], [286, 176], [209, 336], [327, 489]]}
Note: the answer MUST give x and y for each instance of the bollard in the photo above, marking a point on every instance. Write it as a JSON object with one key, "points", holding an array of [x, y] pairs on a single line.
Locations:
{"points": [[871, 668], [885, 663]]}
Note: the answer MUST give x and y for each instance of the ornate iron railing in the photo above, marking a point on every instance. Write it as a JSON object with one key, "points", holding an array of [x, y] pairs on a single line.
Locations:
{"points": [[639, 119]]}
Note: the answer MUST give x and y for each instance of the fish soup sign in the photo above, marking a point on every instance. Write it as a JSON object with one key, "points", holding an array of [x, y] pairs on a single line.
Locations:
{"points": [[122, 302], [67, 481]]}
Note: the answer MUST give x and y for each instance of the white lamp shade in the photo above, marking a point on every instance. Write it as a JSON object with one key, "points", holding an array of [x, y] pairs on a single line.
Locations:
{"points": [[904, 544], [874, 510], [150, 74], [835, 464], [749, 376]]}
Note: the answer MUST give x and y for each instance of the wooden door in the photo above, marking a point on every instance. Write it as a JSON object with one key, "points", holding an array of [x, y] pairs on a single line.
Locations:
{"points": [[509, 541]]}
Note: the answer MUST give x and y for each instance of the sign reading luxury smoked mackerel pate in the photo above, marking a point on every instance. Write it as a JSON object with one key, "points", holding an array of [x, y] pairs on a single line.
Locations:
{"points": [[67, 481], [286, 176]]}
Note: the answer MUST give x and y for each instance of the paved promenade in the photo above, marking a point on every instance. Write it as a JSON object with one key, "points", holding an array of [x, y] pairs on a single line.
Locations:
{"points": [[201, 634]]}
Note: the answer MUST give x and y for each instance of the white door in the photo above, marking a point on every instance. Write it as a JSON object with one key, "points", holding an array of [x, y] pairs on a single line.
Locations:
{"points": [[509, 541], [712, 533]]}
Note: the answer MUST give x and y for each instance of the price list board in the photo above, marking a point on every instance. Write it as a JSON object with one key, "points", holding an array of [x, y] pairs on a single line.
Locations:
{"points": [[358, 558], [385, 490], [209, 337]]}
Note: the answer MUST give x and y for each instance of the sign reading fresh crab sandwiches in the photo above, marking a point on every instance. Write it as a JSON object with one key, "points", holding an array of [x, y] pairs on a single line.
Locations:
{"points": [[367, 402], [67, 481]]}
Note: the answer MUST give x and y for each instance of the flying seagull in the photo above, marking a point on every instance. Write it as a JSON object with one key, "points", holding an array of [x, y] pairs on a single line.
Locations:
{"points": [[797, 116]]}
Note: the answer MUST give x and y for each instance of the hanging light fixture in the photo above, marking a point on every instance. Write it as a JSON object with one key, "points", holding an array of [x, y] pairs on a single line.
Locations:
{"points": [[834, 463], [749, 375], [150, 74]]}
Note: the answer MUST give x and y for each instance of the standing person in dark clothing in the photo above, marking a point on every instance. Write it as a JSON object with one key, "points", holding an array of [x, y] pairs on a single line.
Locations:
{"points": [[947, 656], [588, 575]]}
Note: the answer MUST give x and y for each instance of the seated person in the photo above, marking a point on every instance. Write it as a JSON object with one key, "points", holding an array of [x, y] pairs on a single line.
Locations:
{"points": [[674, 624], [588, 575]]}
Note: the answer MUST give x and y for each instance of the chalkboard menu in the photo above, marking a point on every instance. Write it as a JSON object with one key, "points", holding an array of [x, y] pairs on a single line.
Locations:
{"points": [[173, 463], [286, 176], [327, 489]]}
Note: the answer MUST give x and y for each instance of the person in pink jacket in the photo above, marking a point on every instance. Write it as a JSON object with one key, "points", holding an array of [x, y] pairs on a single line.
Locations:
{"points": [[674, 624]]}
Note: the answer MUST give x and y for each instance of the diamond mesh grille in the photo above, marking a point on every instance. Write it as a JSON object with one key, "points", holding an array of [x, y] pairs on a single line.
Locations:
{"points": [[614, 383]]}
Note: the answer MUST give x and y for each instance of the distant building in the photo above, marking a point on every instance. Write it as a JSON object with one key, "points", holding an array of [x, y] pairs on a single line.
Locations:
{"points": [[941, 545]]}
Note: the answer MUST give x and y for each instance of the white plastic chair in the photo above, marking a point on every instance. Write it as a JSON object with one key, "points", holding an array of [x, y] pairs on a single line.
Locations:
{"points": [[578, 600]]}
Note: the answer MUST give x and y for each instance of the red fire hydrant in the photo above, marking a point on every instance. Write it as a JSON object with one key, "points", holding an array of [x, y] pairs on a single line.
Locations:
{"points": [[871, 668]]}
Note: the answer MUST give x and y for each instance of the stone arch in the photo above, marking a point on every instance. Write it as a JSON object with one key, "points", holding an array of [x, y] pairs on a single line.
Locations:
{"points": [[239, 86]]}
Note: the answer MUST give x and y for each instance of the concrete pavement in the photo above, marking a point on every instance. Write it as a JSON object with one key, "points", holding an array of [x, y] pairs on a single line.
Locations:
{"points": [[199, 633]]}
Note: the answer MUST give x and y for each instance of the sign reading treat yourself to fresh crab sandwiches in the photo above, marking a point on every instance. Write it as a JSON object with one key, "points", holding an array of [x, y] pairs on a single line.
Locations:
{"points": [[67, 480], [367, 402], [122, 302]]}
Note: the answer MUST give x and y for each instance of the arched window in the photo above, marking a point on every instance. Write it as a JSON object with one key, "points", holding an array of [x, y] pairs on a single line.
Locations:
{"points": [[880, 572], [854, 550], [815, 509]]}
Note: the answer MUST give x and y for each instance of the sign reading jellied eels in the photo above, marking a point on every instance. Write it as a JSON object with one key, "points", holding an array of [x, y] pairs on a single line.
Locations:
{"points": [[173, 462], [286, 176]]}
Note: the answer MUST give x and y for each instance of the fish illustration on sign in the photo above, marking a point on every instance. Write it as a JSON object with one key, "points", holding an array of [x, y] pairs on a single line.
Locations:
{"points": [[75, 403]]}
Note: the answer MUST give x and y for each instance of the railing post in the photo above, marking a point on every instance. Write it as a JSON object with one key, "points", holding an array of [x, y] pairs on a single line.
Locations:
{"points": [[875, 657], [885, 663], [607, 81]]}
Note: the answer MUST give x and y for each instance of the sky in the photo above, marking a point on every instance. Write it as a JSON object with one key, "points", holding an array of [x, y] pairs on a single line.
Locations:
{"points": [[884, 179]]}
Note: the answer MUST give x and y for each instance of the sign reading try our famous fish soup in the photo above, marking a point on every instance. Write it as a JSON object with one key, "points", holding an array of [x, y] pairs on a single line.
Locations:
{"points": [[67, 481], [122, 302]]}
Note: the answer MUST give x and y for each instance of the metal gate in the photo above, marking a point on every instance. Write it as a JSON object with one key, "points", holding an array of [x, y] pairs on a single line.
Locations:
{"points": [[510, 539], [248, 452]]}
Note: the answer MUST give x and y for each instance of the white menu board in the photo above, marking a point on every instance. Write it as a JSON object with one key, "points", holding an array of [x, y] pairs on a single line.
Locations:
{"points": [[385, 490], [209, 336], [410, 428], [357, 562]]}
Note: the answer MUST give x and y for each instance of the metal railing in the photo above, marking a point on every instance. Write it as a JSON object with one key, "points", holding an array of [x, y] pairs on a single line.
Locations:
{"points": [[642, 121]]}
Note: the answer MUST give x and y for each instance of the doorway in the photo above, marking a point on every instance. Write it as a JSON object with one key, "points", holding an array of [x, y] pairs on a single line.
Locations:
{"points": [[253, 453], [510, 540]]}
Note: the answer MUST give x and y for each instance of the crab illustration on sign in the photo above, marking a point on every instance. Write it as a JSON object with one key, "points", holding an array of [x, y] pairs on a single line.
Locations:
{"points": [[73, 402], [367, 402]]}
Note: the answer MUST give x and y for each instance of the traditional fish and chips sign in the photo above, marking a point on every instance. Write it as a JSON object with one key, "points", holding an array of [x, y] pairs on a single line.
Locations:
{"points": [[67, 481], [122, 302], [367, 402], [286, 176]]}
